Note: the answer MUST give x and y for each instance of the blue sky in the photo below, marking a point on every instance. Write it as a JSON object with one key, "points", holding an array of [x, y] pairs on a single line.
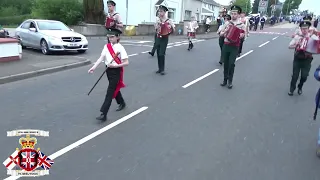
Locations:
{"points": [[310, 5]]}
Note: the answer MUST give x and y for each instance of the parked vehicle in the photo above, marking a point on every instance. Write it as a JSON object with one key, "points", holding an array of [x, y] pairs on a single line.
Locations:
{"points": [[50, 36], [4, 33]]}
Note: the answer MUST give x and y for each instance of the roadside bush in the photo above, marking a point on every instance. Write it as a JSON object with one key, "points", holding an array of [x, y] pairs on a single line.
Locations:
{"points": [[9, 11], [67, 11], [14, 20]]}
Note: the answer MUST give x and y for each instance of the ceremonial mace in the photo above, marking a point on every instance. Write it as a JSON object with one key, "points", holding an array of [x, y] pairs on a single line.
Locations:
{"points": [[101, 75], [317, 106]]}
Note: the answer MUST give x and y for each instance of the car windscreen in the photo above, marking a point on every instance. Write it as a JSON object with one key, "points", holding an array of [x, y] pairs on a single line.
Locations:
{"points": [[46, 25]]}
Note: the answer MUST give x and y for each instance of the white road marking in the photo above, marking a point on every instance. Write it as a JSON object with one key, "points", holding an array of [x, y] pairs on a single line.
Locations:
{"points": [[264, 43], [145, 52], [132, 55], [135, 42], [246, 54], [169, 46], [275, 38], [89, 137], [200, 78], [137, 45], [177, 45]]}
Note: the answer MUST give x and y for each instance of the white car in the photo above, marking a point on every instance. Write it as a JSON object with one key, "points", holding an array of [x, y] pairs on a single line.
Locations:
{"points": [[49, 36]]}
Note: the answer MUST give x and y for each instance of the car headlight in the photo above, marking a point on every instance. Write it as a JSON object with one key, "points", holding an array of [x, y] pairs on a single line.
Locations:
{"points": [[55, 39], [83, 38]]}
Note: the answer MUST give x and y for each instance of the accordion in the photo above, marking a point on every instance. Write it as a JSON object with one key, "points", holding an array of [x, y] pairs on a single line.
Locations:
{"points": [[232, 33], [309, 44], [165, 30], [302, 44], [110, 20]]}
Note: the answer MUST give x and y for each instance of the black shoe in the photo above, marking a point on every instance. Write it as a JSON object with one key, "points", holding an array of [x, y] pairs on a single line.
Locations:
{"points": [[121, 107], [239, 55], [220, 63], [224, 83], [152, 54], [188, 49], [290, 93], [102, 117], [158, 71], [230, 85], [162, 73], [299, 91]]}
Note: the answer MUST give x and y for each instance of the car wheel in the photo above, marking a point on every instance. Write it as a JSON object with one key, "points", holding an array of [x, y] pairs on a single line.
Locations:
{"points": [[23, 47], [82, 51], [44, 47]]}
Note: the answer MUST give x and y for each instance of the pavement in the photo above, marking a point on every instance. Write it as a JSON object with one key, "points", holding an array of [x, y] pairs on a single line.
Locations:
{"points": [[181, 126]]}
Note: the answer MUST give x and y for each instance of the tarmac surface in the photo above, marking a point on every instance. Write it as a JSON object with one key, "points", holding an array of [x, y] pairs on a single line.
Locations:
{"points": [[181, 126]]}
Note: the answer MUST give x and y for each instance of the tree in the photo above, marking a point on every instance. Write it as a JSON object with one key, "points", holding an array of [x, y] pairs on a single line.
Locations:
{"points": [[244, 4], [69, 12], [290, 5], [94, 11], [255, 6]]}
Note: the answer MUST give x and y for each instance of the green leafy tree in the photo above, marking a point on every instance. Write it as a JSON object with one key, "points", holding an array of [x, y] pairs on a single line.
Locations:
{"points": [[244, 4], [23, 6], [67, 11], [94, 11], [255, 6], [289, 5]]}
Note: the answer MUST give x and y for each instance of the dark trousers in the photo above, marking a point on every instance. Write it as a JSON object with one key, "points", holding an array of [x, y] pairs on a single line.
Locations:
{"points": [[250, 26], [255, 27], [229, 54], [154, 44], [221, 42], [161, 47], [301, 66], [113, 75], [207, 28], [241, 44], [261, 26]]}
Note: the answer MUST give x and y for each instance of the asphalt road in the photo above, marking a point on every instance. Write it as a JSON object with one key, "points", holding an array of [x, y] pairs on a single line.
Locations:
{"points": [[187, 130]]}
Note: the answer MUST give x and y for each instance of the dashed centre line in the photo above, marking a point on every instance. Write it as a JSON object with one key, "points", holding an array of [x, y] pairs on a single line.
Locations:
{"points": [[264, 44]]}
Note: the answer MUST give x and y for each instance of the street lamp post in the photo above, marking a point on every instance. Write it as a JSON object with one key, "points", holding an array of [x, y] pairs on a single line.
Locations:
{"points": [[126, 13]]}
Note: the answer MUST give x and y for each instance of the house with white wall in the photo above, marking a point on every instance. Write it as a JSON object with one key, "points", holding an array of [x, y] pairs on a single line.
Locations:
{"points": [[192, 7], [210, 8], [144, 11]]}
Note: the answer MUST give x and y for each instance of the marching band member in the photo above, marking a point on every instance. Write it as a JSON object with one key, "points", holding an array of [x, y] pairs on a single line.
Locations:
{"points": [[115, 57], [155, 37], [302, 59], [230, 49], [116, 16], [298, 30], [262, 22], [221, 37], [162, 40], [244, 20], [192, 27]]}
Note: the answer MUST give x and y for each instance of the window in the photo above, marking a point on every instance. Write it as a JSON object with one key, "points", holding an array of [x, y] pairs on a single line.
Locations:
{"points": [[52, 25], [26, 25], [187, 15], [198, 17], [171, 13]]}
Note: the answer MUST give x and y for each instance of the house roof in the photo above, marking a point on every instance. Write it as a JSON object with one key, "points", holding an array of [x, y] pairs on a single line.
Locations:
{"points": [[212, 2], [206, 11]]}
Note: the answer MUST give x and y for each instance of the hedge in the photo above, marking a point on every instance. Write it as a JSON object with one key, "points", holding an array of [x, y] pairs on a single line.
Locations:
{"points": [[14, 20]]}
